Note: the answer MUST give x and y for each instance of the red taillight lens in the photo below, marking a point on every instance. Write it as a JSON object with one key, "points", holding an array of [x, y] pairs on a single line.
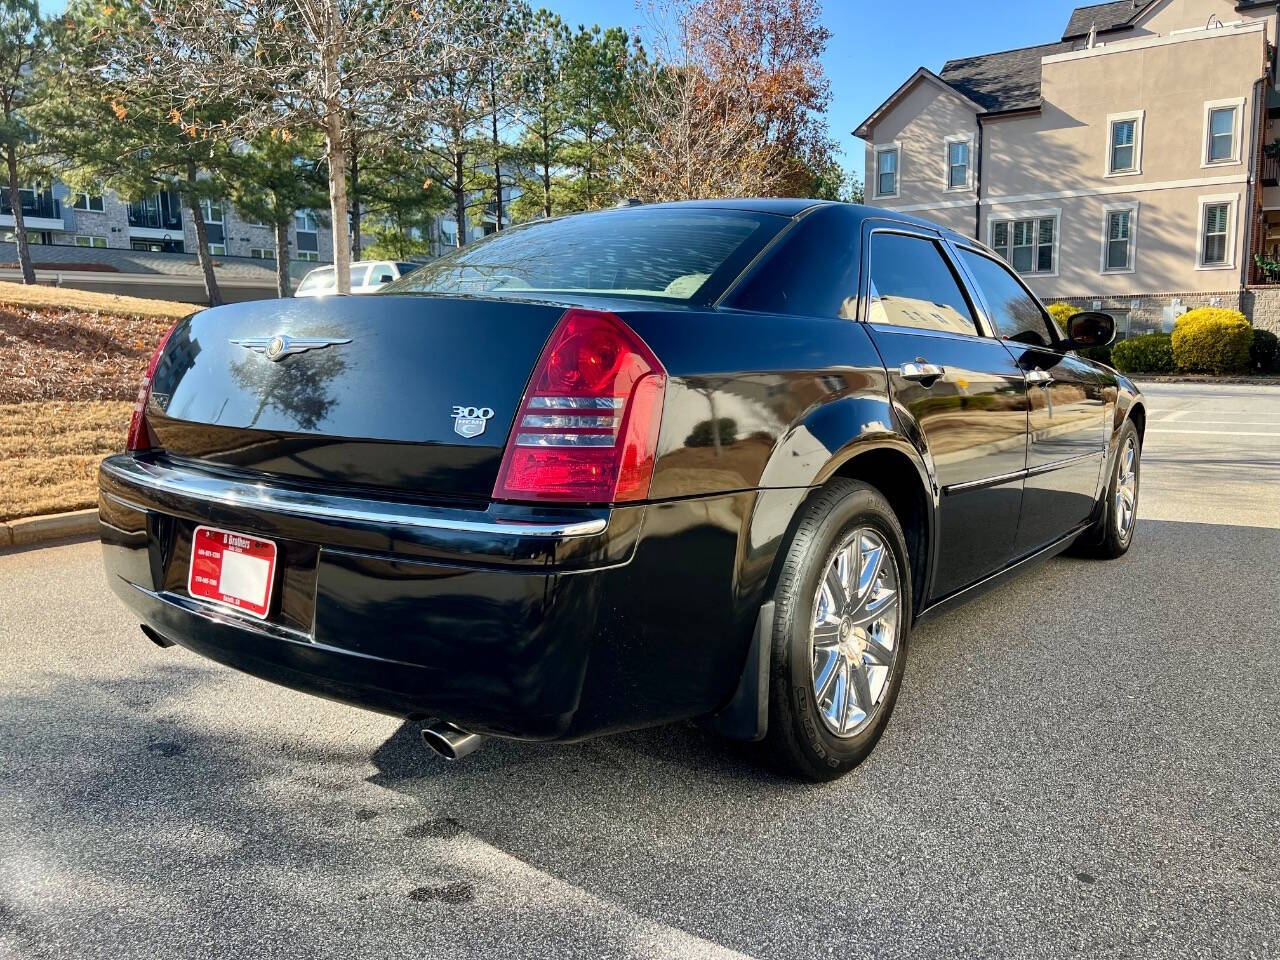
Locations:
{"points": [[139, 433], [587, 429]]}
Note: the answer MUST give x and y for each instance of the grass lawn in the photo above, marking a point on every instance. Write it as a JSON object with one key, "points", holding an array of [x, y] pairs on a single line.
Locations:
{"points": [[72, 361]]}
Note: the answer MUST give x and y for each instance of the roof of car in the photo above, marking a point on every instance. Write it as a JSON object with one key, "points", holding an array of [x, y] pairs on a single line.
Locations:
{"points": [[783, 206]]}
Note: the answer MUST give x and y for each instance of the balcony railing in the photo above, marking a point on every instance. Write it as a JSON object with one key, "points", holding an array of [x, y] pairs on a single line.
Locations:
{"points": [[158, 212], [37, 205], [1270, 171]]}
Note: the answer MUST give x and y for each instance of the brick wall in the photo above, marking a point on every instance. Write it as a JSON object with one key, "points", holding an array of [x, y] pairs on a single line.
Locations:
{"points": [[1260, 304]]}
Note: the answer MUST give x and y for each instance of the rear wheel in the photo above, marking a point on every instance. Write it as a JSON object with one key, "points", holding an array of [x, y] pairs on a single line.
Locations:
{"points": [[842, 621]]}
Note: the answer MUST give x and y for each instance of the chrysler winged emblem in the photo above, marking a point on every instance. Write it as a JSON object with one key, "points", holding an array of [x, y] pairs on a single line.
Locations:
{"points": [[280, 346]]}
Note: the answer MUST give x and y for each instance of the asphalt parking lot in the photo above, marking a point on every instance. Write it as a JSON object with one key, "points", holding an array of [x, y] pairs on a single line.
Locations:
{"points": [[1084, 762]]}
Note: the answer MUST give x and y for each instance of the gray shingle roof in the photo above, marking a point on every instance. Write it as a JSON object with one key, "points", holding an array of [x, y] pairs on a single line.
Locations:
{"points": [[1009, 80], [1105, 16], [169, 264]]}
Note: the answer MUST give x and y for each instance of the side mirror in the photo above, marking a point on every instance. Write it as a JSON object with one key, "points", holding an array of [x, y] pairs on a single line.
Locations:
{"points": [[1090, 329]]}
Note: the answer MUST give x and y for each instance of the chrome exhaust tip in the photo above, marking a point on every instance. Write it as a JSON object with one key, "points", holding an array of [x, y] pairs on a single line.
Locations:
{"points": [[451, 742]]}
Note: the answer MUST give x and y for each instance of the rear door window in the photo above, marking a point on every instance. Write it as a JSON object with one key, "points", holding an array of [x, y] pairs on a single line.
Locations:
{"points": [[1016, 314], [913, 285]]}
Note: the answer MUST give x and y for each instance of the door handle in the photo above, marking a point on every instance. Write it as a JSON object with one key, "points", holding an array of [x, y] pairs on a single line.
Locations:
{"points": [[921, 370], [1041, 378]]}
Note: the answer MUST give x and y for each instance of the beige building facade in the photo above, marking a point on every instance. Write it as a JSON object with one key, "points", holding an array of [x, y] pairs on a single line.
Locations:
{"points": [[1126, 166]]}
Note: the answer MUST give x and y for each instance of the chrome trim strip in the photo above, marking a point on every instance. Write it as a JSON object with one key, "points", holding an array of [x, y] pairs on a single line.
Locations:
{"points": [[315, 506], [984, 482], [1018, 474]]}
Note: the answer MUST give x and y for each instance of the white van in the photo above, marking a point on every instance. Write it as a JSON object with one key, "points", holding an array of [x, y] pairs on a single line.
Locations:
{"points": [[366, 277]]}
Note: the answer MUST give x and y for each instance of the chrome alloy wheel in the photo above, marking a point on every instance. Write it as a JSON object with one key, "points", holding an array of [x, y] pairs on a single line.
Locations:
{"points": [[1126, 489], [855, 632]]}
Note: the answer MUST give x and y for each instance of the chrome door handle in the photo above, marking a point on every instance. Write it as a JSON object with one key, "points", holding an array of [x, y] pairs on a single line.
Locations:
{"points": [[920, 371], [1041, 378]]}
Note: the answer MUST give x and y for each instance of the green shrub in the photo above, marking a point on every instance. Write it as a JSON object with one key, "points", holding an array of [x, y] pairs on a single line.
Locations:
{"points": [[1062, 312], [1152, 353], [1213, 339], [1264, 351]]}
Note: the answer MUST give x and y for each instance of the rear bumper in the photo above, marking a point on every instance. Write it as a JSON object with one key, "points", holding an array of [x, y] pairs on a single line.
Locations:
{"points": [[509, 621]]}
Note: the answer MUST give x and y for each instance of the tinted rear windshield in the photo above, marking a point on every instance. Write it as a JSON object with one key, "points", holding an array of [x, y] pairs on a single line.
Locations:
{"points": [[673, 254]]}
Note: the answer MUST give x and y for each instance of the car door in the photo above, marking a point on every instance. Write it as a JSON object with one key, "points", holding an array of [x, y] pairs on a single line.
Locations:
{"points": [[1067, 395], [960, 393]]}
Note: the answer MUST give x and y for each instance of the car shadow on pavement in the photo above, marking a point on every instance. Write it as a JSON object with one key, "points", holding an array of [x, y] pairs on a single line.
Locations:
{"points": [[1083, 760]]}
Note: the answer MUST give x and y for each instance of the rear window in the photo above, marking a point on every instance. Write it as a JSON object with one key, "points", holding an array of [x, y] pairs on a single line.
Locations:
{"points": [[317, 280], [667, 253]]}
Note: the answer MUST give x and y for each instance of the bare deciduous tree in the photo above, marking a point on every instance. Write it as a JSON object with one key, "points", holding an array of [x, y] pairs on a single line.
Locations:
{"points": [[294, 65], [730, 102]]}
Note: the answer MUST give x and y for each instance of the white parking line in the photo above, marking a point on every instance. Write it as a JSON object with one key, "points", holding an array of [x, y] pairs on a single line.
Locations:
{"points": [[1217, 433]]}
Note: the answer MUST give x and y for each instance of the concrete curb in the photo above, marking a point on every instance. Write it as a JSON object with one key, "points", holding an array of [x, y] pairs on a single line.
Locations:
{"points": [[1258, 381], [33, 531]]}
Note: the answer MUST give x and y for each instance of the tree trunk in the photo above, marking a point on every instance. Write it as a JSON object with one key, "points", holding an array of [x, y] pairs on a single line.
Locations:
{"points": [[202, 240], [337, 154], [546, 187], [357, 247], [282, 260], [19, 227], [459, 199], [497, 167]]}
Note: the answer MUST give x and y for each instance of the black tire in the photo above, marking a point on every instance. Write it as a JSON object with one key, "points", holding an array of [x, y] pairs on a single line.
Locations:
{"points": [[1105, 540], [798, 739]]}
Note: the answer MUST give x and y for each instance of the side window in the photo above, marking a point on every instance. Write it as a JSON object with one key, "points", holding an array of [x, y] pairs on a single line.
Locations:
{"points": [[912, 285], [1016, 314]]}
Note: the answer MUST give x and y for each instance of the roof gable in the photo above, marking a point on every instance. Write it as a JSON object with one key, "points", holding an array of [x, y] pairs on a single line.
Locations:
{"points": [[923, 75], [1104, 16]]}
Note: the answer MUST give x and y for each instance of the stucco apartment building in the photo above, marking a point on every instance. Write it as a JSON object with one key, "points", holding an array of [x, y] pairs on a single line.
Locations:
{"points": [[1126, 166]]}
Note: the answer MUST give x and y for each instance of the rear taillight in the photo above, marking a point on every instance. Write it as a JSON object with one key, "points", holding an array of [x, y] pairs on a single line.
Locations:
{"points": [[139, 433], [587, 428]]}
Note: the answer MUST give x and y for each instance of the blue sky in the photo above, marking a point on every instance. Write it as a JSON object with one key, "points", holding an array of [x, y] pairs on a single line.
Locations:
{"points": [[872, 50]]}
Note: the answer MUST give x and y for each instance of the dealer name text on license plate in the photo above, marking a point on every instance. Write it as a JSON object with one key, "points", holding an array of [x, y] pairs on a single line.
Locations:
{"points": [[232, 569]]}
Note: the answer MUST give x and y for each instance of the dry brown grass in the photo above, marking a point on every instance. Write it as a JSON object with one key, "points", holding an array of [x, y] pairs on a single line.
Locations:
{"points": [[51, 451], [64, 298]]}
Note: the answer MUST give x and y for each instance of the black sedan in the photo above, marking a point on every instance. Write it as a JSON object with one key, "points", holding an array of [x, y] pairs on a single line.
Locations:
{"points": [[702, 460]]}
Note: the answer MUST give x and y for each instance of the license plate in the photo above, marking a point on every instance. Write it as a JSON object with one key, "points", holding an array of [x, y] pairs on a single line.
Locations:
{"points": [[232, 569]]}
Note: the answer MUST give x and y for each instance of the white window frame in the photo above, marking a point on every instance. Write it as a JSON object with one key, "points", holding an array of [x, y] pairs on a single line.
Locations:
{"points": [[88, 198], [1132, 210], [1237, 132], [1138, 117], [894, 147], [306, 216], [1050, 212], [967, 140], [262, 253], [90, 238], [206, 212], [310, 256], [217, 249], [1232, 200]]}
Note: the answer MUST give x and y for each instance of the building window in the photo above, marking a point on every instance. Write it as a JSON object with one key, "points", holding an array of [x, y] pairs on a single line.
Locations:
{"points": [[1124, 144], [304, 221], [1029, 245], [1216, 222], [309, 255], [887, 171], [89, 202], [1222, 131], [262, 253], [1119, 233], [211, 210], [958, 164], [83, 240], [217, 249]]}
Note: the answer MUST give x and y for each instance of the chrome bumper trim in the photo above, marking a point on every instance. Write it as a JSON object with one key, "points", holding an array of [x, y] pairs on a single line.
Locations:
{"points": [[316, 506]]}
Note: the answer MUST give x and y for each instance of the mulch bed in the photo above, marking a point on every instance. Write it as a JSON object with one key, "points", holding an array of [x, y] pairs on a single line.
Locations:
{"points": [[61, 354]]}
